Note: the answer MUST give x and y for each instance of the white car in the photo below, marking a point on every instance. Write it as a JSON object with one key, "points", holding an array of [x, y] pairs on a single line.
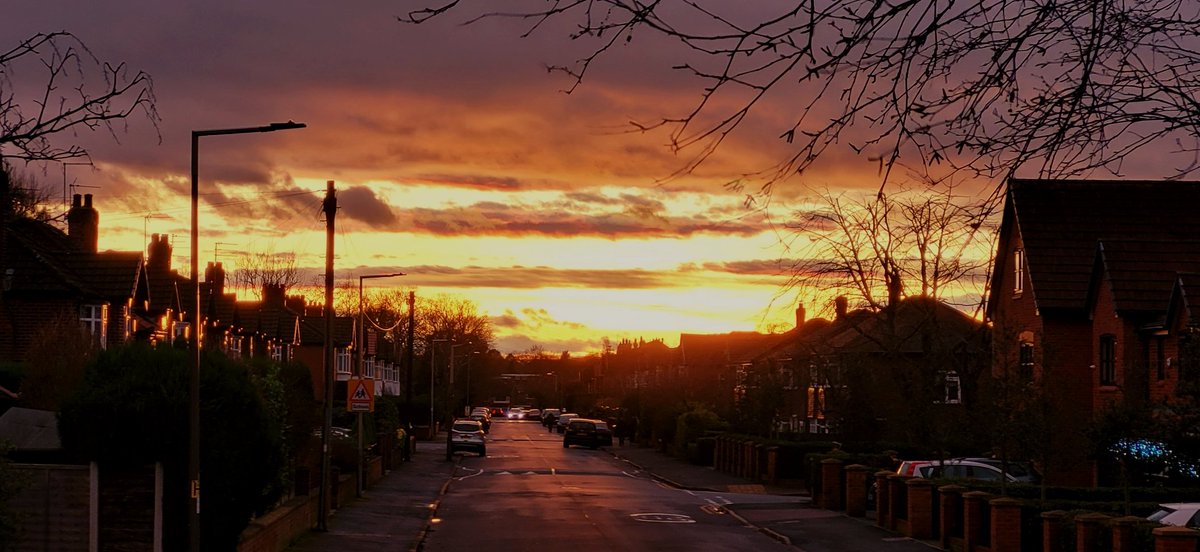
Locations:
{"points": [[466, 435], [1180, 514]]}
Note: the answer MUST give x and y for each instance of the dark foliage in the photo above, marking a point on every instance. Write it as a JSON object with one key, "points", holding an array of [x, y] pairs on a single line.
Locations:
{"points": [[132, 410]]}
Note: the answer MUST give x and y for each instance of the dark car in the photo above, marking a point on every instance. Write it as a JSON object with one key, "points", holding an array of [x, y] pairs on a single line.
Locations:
{"points": [[484, 421], [466, 435], [586, 432]]}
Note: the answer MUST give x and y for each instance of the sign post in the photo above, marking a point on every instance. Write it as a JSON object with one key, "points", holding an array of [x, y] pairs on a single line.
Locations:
{"points": [[360, 395]]}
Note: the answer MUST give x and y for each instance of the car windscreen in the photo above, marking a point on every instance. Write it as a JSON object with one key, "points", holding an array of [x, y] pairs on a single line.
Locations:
{"points": [[1162, 513], [466, 427], [601, 426]]}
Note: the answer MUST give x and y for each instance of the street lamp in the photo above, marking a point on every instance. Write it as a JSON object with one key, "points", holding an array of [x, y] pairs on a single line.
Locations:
{"points": [[362, 331], [450, 385], [469, 357], [194, 341], [432, 352]]}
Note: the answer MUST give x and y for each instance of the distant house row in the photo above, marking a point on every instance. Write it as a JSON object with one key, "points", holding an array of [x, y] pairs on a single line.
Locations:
{"points": [[1092, 295], [55, 282]]}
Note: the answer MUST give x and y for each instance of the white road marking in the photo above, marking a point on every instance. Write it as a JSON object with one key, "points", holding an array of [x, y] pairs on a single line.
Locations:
{"points": [[477, 473]]}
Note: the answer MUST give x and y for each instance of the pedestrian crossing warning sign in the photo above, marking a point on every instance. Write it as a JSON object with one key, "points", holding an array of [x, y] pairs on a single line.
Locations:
{"points": [[360, 395]]}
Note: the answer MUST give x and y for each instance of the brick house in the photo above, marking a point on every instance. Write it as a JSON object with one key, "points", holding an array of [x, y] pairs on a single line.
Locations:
{"points": [[50, 277], [875, 367], [1080, 294]]}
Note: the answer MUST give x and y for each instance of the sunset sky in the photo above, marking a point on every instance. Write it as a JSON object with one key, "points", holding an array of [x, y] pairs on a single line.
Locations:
{"points": [[457, 157]]}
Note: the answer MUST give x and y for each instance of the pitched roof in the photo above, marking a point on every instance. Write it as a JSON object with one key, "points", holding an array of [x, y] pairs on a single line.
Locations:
{"points": [[1141, 273], [112, 274], [312, 330], [1060, 222], [1185, 299], [723, 348], [29, 429], [915, 325], [44, 261]]}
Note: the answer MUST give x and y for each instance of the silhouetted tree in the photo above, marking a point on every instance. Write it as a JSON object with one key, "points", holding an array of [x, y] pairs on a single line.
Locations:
{"points": [[885, 247], [1060, 88], [256, 271]]}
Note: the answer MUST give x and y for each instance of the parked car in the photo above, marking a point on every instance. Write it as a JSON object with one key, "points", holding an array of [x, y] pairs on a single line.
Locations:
{"points": [[985, 469], [466, 435], [533, 414], [1180, 514], [561, 423], [908, 468], [483, 420], [587, 432]]}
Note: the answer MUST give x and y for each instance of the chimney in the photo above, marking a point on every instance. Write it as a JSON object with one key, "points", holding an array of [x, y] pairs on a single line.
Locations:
{"points": [[273, 295], [214, 275], [839, 307], [800, 315], [83, 224], [159, 254]]}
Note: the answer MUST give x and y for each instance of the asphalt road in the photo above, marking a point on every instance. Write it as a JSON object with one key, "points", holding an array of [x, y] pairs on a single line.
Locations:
{"points": [[530, 493]]}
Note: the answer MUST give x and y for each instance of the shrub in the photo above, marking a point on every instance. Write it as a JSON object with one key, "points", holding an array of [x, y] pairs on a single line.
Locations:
{"points": [[132, 411]]}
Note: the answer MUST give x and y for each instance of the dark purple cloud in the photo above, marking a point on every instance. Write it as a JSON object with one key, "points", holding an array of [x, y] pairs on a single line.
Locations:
{"points": [[361, 203]]}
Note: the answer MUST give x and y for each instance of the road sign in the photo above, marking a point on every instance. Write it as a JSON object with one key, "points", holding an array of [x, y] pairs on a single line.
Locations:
{"points": [[360, 395]]}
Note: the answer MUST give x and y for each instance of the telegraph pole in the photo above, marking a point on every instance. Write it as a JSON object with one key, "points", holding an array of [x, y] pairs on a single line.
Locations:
{"points": [[408, 366], [329, 206]]}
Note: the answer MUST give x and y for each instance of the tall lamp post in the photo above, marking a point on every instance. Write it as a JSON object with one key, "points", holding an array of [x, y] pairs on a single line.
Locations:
{"points": [[432, 351], [194, 341], [450, 386], [362, 332]]}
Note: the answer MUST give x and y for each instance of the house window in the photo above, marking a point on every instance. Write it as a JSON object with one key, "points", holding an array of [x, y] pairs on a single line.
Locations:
{"points": [[276, 352], [816, 403], [342, 362], [94, 319], [1018, 271], [1108, 359], [1025, 361], [788, 378], [951, 387], [128, 325], [369, 368], [1161, 362]]}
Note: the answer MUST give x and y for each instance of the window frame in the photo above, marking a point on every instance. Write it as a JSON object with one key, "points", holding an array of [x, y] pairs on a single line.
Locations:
{"points": [[1107, 359], [93, 317], [1018, 272]]}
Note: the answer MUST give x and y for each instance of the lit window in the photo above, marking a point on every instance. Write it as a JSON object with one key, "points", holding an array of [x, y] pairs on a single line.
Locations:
{"points": [[94, 320], [1018, 271], [277, 352], [1026, 361], [1108, 359], [342, 363]]}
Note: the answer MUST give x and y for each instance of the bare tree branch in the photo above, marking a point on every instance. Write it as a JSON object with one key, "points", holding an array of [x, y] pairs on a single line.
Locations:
{"points": [[916, 244], [984, 87], [80, 91]]}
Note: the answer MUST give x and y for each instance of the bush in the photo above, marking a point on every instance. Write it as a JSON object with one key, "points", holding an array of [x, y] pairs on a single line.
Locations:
{"points": [[10, 484], [133, 410]]}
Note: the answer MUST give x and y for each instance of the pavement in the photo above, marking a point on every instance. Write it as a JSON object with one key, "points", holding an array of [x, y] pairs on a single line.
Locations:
{"points": [[398, 511]]}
